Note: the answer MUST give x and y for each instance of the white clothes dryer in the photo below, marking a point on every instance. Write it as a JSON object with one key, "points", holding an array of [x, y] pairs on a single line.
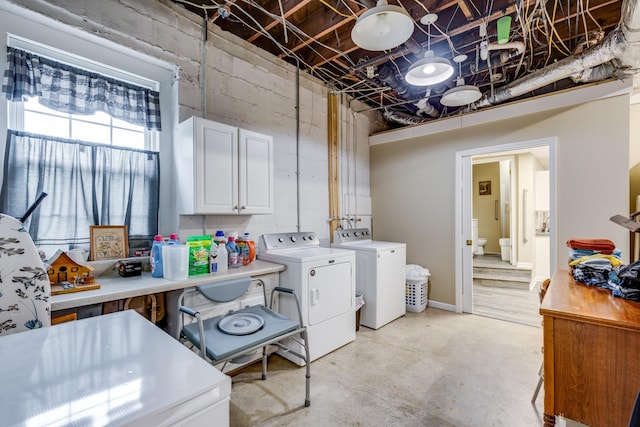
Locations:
{"points": [[324, 279], [380, 275]]}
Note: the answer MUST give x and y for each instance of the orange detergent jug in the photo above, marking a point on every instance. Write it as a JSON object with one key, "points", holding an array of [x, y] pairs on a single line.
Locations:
{"points": [[247, 249]]}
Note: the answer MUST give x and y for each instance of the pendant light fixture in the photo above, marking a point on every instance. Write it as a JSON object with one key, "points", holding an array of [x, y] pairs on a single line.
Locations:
{"points": [[382, 27], [431, 69], [461, 94]]}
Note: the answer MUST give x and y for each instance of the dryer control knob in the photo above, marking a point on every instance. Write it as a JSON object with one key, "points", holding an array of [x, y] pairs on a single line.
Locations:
{"points": [[293, 238], [356, 234], [280, 239]]}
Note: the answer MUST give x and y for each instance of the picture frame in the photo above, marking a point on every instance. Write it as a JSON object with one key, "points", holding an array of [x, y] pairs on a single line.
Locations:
{"points": [[109, 242], [484, 188]]}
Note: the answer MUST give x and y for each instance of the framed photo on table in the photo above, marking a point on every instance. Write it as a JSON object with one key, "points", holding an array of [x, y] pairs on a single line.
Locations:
{"points": [[109, 242]]}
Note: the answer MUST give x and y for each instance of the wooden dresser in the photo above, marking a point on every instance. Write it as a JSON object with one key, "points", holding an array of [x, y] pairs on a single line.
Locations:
{"points": [[591, 354]]}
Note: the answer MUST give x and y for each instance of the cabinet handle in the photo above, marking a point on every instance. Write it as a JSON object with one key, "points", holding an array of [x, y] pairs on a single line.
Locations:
{"points": [[235, 208], [243, 207]]}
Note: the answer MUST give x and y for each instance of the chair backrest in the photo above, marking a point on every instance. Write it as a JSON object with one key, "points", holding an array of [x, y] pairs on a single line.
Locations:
{"points": [[225, 291], [25, 291], [543, 288]]}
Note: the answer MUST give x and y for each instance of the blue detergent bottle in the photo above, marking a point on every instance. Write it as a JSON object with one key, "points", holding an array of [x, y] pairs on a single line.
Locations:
{"points": [[156, 256]]}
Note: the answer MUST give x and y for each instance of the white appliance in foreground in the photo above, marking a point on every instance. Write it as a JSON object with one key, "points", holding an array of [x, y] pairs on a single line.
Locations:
{"points": [[380, 275], [118, 370], [324, 279]]}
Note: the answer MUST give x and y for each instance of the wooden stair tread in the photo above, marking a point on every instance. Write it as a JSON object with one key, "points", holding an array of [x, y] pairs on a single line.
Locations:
{"points": [[501, 277]]}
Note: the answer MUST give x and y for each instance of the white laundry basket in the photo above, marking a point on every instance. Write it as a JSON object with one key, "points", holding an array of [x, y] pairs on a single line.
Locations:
{"points": [[417, 288]]}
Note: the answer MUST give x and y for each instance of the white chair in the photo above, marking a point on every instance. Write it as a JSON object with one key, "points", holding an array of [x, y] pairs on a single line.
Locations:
{"points": [[25, 291], [233, 336]]}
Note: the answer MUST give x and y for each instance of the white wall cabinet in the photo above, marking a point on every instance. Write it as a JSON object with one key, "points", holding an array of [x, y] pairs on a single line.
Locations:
{"points": [[222, 169]]}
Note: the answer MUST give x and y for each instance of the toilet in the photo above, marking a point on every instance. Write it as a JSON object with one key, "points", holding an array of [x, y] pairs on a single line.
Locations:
{"points": [[481, 242]]}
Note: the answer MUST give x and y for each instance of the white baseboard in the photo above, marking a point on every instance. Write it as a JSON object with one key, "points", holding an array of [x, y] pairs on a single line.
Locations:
{"points": [[442, 305]]}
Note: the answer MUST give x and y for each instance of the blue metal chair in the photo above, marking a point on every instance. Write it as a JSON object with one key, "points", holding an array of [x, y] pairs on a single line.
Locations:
{"points": [[233, 336]]}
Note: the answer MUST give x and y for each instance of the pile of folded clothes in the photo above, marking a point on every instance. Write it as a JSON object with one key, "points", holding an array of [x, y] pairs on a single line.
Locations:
{"points": [[591, 246], [597, 262]]}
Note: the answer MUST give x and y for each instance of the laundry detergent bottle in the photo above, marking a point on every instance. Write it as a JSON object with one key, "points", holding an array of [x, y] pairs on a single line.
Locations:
{"points": [[222, 257], [247, 249], [156, 256], [219, 237], [213, 258], [234, 253]]}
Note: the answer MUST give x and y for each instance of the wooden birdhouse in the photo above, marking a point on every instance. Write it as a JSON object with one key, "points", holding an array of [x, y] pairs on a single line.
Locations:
{"points": [[66, 275]]}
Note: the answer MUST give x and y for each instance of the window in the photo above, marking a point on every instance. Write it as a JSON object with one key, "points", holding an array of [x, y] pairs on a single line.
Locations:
{"points": [[99, 128], [97, 168]]}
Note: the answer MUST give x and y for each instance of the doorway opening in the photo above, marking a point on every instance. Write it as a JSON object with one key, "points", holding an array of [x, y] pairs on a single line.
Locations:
{"points": [[504, 216]]}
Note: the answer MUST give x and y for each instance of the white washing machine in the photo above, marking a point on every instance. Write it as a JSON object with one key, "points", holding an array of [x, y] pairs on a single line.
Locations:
{"points": [[380, 275], [324, 279]]}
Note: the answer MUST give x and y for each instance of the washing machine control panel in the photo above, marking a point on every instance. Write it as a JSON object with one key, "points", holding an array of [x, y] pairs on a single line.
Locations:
{"points": [[269, 242], [351, 235]]}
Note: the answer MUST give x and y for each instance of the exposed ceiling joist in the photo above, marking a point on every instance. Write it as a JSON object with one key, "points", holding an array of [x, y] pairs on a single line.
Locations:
{"points": [[316, 35]]}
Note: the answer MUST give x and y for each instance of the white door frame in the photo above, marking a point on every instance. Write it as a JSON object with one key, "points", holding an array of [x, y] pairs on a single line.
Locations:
{"points": [[463, 213]]}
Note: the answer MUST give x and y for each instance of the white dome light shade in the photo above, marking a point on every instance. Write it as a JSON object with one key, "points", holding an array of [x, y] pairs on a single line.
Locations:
{"points": [[382, 27], [429, 71], [460, 95]]}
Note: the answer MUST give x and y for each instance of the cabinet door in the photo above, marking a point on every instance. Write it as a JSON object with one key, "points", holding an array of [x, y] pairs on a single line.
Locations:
{"points": [[216, 163], [256, 173]]}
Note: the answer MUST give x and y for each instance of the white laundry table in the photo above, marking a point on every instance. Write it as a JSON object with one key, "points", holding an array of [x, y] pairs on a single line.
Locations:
{"points": [[118, 370]]}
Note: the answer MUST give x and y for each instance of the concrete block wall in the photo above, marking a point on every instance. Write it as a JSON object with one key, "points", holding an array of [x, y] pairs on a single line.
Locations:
{"points": [[240, 85]]}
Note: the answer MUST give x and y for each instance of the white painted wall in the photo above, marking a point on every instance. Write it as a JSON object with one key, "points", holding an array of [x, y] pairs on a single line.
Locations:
{"points": [[592, 178], [243, 86]]}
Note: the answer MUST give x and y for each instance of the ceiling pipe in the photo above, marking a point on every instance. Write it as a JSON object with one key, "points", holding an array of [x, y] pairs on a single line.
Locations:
{"points": [[596, 74], [402, 118], [425, 108], [617, 55], [485, 48], [390, 78], [565, 68]]}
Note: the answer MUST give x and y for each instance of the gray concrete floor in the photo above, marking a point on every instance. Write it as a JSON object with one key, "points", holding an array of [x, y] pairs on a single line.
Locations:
{"points": [[434, 368]]}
